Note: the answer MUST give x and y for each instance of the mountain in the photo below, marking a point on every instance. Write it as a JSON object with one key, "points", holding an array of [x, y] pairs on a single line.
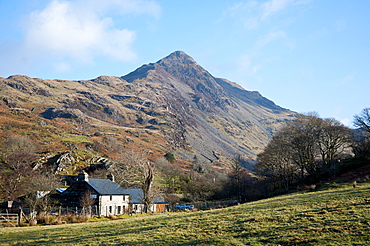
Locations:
{"points": [[213, 115], [172, 105]]}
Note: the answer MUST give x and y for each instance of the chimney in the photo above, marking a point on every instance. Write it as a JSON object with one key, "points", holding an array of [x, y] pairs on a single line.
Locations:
{"points": [[10, 204], [110, 177], [82, 176]]}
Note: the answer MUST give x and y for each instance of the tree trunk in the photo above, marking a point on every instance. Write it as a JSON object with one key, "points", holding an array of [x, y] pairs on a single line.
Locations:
{"points": [[147, 186]]}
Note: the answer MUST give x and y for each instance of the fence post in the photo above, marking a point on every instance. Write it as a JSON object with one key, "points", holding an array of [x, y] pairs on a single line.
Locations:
{"points": [[20, 219]]}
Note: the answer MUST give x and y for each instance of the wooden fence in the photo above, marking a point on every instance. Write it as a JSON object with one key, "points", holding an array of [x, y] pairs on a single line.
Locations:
{"points": [[93, 210], [9, 220]]}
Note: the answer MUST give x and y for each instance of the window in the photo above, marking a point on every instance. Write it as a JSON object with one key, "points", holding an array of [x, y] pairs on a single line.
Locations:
{"points": [[118, 209], [110, 209], [111, 197]]}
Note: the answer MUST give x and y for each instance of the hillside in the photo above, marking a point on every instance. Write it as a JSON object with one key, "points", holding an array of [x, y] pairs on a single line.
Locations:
{"points": [[338, 216], [172, 105]]}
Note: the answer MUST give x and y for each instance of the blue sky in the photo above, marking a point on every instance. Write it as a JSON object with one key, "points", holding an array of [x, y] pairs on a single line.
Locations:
{"points": [[305, 55]]}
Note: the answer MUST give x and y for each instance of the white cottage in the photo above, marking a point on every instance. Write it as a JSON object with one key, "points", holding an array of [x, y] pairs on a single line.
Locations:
{"points": [[106, 195]]}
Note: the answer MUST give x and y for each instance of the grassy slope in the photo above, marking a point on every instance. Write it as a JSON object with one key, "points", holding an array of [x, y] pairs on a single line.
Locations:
{"points": [[57, 136], [332, 217]]}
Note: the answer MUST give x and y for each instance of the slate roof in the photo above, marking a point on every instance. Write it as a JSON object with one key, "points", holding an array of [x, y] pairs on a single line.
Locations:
{"points": [[137, 196], [106, 187]]}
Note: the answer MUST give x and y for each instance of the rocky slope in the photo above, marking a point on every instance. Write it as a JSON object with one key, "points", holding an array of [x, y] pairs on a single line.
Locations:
{"points": [[172, 105], [213, 116]]}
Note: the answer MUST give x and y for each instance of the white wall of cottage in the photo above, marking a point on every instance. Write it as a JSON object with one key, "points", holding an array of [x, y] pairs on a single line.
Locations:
{"points": [[139, 208], [113, 204]]}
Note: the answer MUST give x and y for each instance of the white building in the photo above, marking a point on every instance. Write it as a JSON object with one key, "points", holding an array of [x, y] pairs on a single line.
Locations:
{"points": [[108, 197]]}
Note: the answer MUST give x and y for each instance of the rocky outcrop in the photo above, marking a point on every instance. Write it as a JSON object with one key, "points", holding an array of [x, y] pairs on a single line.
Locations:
{"points": [[68, 113], [68, 162]]}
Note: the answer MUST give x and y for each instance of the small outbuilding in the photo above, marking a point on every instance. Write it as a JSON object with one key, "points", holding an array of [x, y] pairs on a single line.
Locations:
{"points": [[136, 202]]}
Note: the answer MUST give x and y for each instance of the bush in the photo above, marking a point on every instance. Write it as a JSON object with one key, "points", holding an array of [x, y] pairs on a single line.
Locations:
{"points": [[44, 219], [170, 157], [71, 218], [83, 218], [113, 217], [33, 222]]}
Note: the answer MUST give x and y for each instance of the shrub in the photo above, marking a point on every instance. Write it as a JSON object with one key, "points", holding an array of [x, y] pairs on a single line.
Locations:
{"points": [[33, 222], [45, 219], [170, 157], [113, 217]]}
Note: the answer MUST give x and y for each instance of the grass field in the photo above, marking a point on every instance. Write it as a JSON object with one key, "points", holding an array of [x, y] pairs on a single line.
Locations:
{"points": [[338, 216]]}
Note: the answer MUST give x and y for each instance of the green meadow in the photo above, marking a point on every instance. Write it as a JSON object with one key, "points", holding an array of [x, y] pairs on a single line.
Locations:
{"points": [[336, 216]]}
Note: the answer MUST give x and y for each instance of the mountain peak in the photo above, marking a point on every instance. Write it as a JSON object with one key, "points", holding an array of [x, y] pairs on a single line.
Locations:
{"points": [[177, 58], [179, 54], [171, 63]]}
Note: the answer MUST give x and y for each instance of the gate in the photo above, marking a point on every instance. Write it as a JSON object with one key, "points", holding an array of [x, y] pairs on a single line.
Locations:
{"points": [[8, 220]]}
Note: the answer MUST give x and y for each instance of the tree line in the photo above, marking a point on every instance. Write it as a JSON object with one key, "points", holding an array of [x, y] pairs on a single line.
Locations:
{"points": [[309, 146]]}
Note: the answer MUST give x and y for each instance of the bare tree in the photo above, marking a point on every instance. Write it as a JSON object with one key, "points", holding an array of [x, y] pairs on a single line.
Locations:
{"points": [[172, 200], [295, 151], [133, 170], [113, 144], [39, 190], [333, 139], [236, 176], [363, 120], [361, 143], [303, 134], [170, 176], [361, 139], [15, 172], [19, 144], [198, 187], [87, 200], [99, 173], [275, 162]]}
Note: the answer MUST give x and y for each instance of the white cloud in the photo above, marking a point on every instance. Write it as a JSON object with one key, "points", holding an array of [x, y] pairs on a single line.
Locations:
{"points": [[274, 36], [123, 6], [246, 13], [274, 6], [83, 30], [346, 122], [252, 13], [270, 37]]}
